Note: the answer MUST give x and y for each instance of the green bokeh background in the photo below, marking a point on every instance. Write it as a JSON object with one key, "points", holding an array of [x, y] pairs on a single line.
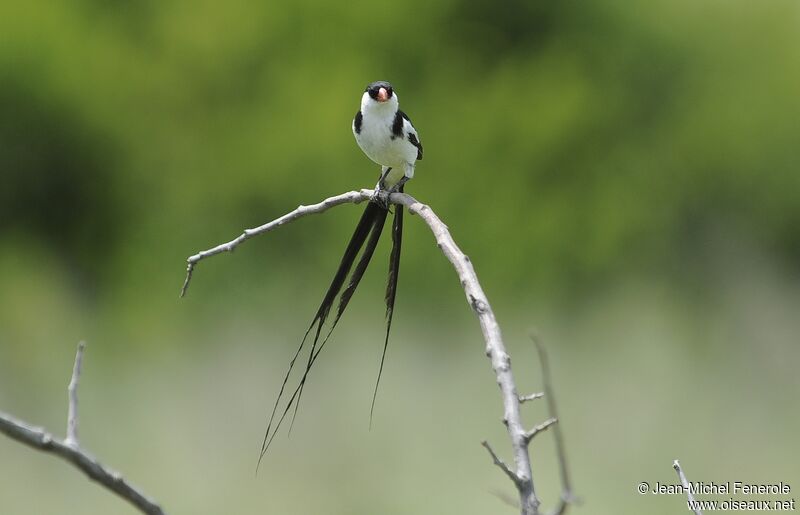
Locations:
{"points": [[623, 175]]}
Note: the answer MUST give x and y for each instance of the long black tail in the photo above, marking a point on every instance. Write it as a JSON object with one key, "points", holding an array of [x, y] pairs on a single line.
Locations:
{"points": [[391, 291], [367, 231]]}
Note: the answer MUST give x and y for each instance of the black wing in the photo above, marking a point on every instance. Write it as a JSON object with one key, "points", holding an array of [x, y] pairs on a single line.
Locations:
{"points": [[397, 132], [357, 122], [412, 138]]}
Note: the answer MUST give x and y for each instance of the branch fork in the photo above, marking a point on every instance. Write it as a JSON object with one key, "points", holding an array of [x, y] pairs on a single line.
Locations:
{"points": [[502, 464], [539, 428], [567, 496], [69, 449]]}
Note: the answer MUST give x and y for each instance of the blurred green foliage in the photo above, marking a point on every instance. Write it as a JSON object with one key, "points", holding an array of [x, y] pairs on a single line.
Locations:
{"points": [[567, 143], [624, 175]]}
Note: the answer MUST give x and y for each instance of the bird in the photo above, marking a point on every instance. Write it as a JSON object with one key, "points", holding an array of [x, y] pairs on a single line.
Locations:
{"points": [[388, 138]]}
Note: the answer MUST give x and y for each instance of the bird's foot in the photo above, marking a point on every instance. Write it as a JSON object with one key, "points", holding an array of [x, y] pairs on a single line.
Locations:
{"points": [[381, 197], [398, 187]]}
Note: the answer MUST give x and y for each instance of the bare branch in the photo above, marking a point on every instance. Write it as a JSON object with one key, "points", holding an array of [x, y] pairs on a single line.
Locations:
{"points": [[539, 428], [351, 197], [567, 497], [500, 463], [72, 399], [687, 488], [532, 397], [38, 438], [494, 349]]}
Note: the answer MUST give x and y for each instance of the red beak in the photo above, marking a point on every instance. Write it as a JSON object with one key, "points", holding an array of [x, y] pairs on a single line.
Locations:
{"points": [[383, 95]]}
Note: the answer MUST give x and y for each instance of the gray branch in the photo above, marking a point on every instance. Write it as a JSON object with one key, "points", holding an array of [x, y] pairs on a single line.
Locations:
{"points": [[686, 487], [495, 349], [539, 428], [72, 399], [532, 397], [567, 497], [69, 449], [351, 197], [500, 463]]}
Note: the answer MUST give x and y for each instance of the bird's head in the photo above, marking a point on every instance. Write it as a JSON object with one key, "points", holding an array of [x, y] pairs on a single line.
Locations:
{"points": [[379, 93]]}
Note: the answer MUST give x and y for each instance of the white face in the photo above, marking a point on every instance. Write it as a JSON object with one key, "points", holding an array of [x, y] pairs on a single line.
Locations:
{"points": [[378, 95]]}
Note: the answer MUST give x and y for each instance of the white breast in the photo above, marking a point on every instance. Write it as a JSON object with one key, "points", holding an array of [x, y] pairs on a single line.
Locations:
{"points": [[375, 139]]}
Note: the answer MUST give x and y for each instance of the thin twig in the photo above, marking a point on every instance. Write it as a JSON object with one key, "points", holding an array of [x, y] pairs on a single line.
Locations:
{"points": [[532, 397], [687, 488], [38, 438], [351, 197], [72, 399], [539, 428], [495, 349], [500, 463], [567, 497]]}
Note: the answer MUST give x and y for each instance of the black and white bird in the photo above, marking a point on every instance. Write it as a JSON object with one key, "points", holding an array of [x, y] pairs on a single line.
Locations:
{"points": [[388, 138]]}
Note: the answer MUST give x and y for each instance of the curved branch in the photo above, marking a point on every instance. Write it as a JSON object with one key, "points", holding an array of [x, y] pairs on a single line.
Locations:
{"points": [[38, 438], [351, 197], [495, 349]]}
